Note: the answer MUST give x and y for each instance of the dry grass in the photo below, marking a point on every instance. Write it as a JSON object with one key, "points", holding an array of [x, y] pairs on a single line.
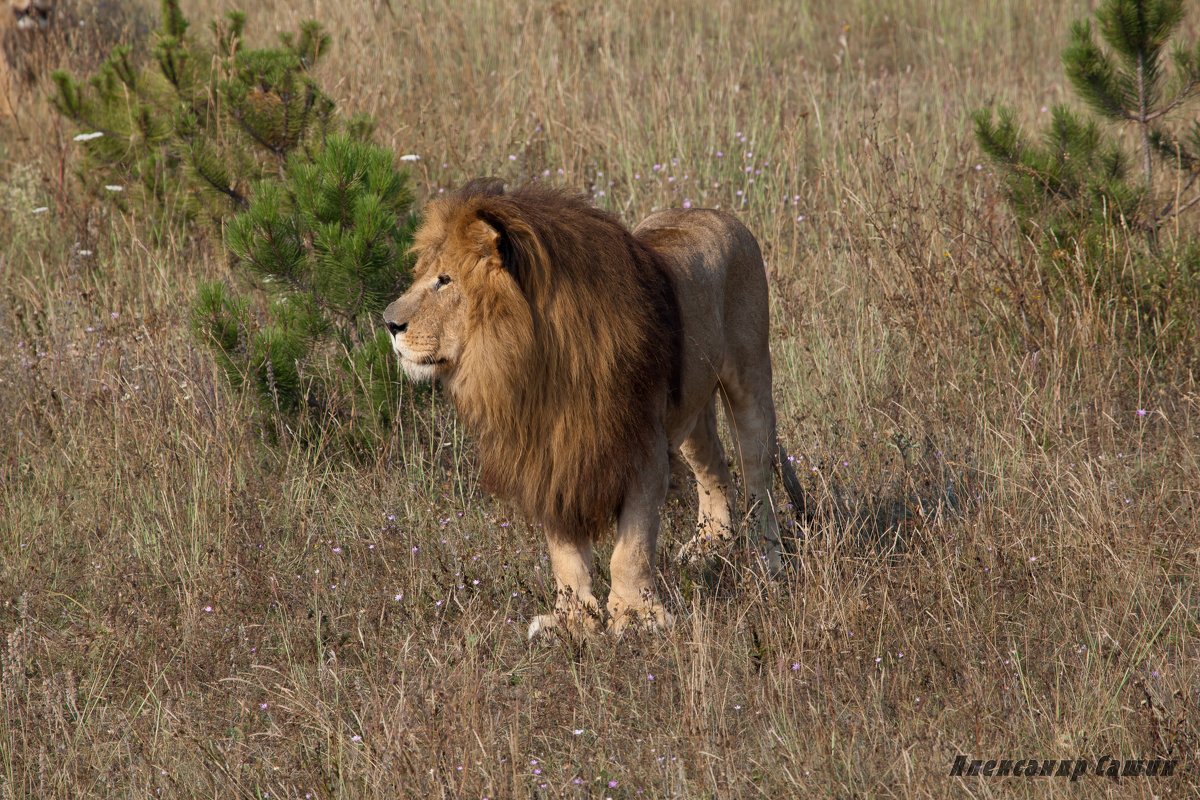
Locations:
{"points": [[1006, 560]]}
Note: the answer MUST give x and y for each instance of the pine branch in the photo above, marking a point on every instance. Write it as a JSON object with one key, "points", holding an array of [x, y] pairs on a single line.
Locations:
{"points": [[324, 227], [1093, 75], [279, 151], [209, 170], [1189, 90], [174, 24], [1171, 149], [1168, 215]]}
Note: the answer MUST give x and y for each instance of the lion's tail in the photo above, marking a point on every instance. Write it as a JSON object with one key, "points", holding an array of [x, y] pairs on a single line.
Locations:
{"points": [[791, 483]]}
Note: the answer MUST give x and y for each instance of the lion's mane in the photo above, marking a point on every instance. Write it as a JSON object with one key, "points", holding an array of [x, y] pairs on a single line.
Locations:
{"points": [[565, 368]]}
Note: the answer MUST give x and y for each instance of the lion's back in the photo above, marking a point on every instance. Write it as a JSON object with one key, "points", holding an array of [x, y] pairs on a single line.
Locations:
{"points": [[720, 281], [710, 253]]}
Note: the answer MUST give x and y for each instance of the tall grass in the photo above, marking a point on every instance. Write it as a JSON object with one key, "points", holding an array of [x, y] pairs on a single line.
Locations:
{"points": [[1005, 557]]}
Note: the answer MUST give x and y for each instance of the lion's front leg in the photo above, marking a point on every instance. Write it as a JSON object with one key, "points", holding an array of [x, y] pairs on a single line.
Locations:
{"points": [[633, 601], [576, 609]]}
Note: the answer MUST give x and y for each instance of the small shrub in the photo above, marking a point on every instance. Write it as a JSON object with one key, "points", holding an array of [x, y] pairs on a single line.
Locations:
{"points": [[194, 125], [1096, 213], [318, 221], [328, 244]]}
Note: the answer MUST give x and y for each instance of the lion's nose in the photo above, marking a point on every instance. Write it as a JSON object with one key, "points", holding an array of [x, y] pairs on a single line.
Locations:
{"points": [[396, 328]]}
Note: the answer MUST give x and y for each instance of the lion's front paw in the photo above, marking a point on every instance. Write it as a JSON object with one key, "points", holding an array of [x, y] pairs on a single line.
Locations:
{"points": [[650, 616], [541, 624], [576, 618]]}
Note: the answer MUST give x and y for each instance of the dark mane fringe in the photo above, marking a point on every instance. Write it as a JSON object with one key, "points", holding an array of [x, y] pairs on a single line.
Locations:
{"points": [[564, 393]]}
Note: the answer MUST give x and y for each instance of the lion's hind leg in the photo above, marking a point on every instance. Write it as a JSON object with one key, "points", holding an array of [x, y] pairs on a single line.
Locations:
{"points": [[576, 609], [752, 412], [715, 531]]}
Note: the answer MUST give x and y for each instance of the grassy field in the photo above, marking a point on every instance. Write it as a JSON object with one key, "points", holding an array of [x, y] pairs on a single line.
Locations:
{"points": [[1005, 559]]}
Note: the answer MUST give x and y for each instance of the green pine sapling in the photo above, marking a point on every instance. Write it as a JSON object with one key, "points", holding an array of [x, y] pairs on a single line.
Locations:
{"points": [[1078, 193]]}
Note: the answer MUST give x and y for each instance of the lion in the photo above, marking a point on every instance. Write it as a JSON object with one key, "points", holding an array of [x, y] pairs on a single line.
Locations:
{"points": [[580, 355]]}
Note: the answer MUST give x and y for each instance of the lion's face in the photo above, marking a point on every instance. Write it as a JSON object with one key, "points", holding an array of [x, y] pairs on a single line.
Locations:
{"points": [[429, 322], [426, 322]]}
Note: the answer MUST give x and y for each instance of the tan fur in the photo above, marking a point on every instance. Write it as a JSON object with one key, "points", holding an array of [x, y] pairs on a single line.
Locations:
{"points": [[579, 354]]}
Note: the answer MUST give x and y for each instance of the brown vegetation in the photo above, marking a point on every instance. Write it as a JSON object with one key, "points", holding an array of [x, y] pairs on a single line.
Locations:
{"points": [[1006, 553], [38, 35]]}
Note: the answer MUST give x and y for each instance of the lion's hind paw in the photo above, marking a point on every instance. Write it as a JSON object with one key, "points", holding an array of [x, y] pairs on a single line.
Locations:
{"points": [[704, 547]]}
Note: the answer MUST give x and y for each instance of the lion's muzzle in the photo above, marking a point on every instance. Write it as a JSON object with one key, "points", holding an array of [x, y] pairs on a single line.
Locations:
{"points": [[395, 319], [418, 356]]}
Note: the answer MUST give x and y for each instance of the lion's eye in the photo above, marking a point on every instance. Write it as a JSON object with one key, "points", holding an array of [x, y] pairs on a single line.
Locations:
{"points": [[441, 281]]}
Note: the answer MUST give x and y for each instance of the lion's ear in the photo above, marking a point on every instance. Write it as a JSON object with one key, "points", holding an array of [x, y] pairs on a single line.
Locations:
{"points": [[484, 238], [513, 247], [492, 238]]}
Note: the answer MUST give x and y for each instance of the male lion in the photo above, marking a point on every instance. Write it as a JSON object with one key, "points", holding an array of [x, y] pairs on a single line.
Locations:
{"points": [[579, 355]]}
